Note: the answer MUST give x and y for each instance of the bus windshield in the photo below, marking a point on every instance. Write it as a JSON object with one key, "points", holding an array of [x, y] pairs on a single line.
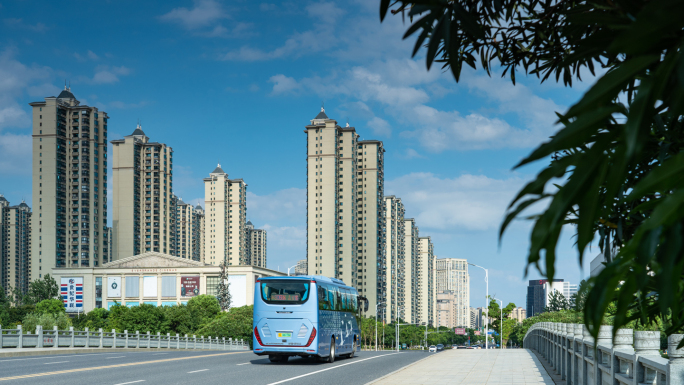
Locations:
{"points": [[285, 292]]}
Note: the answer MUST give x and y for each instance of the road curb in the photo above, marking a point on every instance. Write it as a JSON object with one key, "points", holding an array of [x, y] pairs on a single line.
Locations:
{"points": [[398, 370], [53, 352]]}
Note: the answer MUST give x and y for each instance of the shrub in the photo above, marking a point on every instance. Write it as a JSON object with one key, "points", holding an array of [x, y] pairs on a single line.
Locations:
{"points": [[180, 319], [47, 320], [235, 324], [93, 320], [141, 318]]}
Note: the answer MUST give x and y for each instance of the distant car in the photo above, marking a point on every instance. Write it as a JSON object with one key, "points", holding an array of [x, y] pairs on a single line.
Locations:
{"points": [[432, 348], [460, 347], [440, 347]]}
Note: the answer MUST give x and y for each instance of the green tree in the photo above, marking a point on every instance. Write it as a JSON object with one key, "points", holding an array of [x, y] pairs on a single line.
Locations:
{"points": [[235, 324], [203, 308], [180, 319], [557, 302], [52, 306], [620, 152], [42, 289], [578, 299], [223, 289]]}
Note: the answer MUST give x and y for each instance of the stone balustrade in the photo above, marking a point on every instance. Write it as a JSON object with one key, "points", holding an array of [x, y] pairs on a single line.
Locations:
{"points": [[632, 358], [17, 338]]}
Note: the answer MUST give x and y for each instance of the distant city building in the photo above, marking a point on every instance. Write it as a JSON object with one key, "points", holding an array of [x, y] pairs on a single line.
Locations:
{"points": [[425, 281], [302, 268], [477, 315], [15, 245], [189, 231], [410, 260], [452, 276], [445, 310], [345, 219], [597, 265], [143, 206], [519, 314], [539, 292], [256, 245], [395, 260], [69, 184], [226, 216]]}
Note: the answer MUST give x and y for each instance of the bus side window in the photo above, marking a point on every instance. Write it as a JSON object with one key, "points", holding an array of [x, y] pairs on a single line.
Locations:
{"points": [[355, 302], [347, 297], [345, 303], [338, 297], [321, 297], [331, 297]]}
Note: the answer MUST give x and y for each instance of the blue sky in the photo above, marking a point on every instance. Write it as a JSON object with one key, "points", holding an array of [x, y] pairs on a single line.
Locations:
{"points": [[237, 82]]}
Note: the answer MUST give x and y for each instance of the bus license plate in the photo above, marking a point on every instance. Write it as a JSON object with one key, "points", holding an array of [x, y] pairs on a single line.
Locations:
{"points": [[284, 335]]}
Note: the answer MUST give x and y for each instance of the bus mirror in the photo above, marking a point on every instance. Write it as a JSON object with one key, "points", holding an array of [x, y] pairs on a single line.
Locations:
{"points": [[365, 305]]}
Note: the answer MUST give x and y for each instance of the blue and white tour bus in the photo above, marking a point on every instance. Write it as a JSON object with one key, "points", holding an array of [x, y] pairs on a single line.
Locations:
{"points": [[306, 316]]}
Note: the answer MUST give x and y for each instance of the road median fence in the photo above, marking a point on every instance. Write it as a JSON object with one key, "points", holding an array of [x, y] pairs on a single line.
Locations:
{"points": [[632, 358], [16, 338]]}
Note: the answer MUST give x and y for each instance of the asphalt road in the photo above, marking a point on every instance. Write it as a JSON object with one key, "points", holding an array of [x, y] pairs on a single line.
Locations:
{"points": [[209, 367]]}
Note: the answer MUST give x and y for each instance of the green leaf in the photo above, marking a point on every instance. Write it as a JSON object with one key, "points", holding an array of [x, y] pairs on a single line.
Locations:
{"points": [[384, 6], [660, 179]]}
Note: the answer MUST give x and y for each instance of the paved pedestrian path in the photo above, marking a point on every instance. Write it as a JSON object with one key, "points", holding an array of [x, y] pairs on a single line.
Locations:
{"points": [[473, 366]]}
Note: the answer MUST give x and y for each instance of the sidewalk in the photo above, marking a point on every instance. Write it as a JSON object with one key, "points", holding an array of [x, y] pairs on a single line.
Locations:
{"points": [[473, 366]]}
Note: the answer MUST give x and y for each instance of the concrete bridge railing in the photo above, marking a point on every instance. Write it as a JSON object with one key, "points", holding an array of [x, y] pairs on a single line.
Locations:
{"points": [[632, 358], [16, 338]]}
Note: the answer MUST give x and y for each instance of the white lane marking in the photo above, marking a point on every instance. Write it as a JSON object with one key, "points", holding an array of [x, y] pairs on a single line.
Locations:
{"points": [[334, 367], [51, 357], [115, 357], [201, 370], [156, 354], [50, 363], [132, 382], [246, 363]]}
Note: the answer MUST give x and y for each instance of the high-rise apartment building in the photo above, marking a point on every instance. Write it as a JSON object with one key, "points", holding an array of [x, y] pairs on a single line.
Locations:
{"points": [[345, 187], [256, 245], [518, 314], [371, 220], [395, 260], [452, 276], [225, 219], [15, 245], [144, 213], [445, 310], [410, 260], [302, 267], [69, 184], [425, 281], [189, 231], [108, 252]]}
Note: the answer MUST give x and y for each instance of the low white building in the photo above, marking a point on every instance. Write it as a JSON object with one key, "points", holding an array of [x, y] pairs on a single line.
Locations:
{"points": [[152, 278]]}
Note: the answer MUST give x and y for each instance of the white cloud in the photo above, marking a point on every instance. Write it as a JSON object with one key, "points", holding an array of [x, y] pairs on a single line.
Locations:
{"points": [[379, 127], [15, 154], [283, 84], [20, 24], [283, 205], [15, 79], [286, 237], [326, 12], [465, 203], [412, 154], [204, 14], [108, 75]]}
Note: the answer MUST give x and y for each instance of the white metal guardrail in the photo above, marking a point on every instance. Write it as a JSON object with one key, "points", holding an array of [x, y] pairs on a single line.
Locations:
{"points": [[16, 338], [633, 358]]}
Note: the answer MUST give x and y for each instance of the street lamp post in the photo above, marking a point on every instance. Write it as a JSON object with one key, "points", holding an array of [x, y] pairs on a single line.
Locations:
{"points": [[288, 270], [396, 327], [487, 303], [501, 326], [376, 325]]}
